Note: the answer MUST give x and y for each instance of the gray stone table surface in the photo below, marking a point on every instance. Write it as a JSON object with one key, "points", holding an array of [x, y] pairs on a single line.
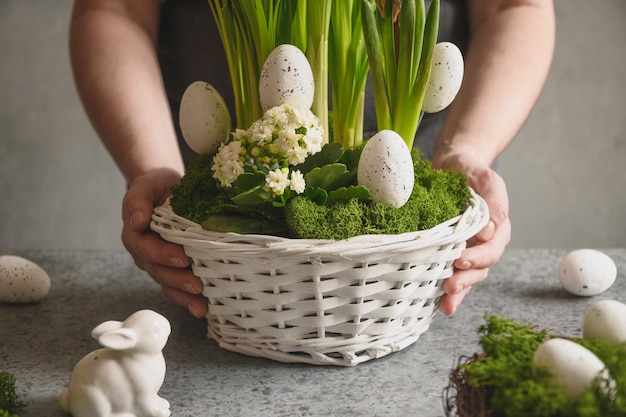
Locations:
{"points": [[40, 343]]}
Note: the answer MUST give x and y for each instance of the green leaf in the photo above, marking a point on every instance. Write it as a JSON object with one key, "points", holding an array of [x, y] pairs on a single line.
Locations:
{"points": [[253, 197], [345, 194], [351, 159], [329, 177], [316, 194], [373, 45], [226, 223], [329, 154], [248, 180]]}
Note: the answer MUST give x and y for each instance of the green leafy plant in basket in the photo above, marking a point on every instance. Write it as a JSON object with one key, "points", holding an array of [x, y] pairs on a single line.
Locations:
{"points": [[291, 167]]}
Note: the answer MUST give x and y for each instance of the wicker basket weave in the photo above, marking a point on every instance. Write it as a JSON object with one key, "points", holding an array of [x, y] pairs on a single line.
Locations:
{"points": [[318, 301]]}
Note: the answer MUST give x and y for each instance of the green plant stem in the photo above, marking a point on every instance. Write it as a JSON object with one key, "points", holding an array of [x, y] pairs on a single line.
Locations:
{"points": [[318, 24], [407, 128], [400, 57], [373, 45], [348, 67]]}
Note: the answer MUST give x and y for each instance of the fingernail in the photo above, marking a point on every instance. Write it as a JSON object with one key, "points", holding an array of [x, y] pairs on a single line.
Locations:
{"points": [[136, 219], [193, 311], [178, 262], [192, 289], [465, 265]]}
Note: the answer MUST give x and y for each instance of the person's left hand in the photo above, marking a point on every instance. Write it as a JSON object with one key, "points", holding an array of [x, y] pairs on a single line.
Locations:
{"points": [[486, 248]]}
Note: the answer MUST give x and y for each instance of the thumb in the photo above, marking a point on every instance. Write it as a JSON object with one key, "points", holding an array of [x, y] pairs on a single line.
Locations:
{"points": [[145, 193]]}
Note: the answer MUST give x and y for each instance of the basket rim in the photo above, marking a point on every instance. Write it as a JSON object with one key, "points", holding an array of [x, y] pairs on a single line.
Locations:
{"points": [[177, 229]]}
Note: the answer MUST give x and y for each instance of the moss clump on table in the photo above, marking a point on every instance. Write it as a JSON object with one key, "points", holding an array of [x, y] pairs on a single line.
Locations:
{"points": [[9, 400], [501, 381], [437, 196]]}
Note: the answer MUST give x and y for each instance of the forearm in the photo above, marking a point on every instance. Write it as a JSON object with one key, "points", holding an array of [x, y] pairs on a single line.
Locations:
{"points": [[506, 66], [113, 53]]}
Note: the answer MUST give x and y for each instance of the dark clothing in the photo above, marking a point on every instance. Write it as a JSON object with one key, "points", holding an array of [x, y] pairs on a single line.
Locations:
{"points": [[190, 49]]}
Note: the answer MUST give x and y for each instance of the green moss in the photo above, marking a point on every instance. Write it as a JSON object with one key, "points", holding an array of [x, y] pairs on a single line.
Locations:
{"points": [[313, 221], [516, 388], [9, 400], [197, 196], [437, 196]]}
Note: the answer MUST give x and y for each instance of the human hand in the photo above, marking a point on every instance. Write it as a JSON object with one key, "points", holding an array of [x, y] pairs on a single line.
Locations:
{"points": [[486, 248], [165, 262]]}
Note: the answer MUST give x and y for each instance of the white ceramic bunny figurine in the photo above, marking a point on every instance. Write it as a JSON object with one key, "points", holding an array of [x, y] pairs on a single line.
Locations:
{"points": [[124, 377]]}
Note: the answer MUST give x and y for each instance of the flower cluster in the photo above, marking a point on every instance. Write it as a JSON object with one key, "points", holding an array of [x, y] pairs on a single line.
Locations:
{"points": [[283, 137]]}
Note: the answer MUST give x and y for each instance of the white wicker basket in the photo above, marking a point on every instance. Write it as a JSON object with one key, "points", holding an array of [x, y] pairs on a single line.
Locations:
{"points": [[318, 301]]}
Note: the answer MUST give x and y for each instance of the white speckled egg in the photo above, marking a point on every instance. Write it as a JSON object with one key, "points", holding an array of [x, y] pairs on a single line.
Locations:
{"points": [[574, 366], [204, 118], [286, 78], [446, 76], [21, 280], [386, 169], [606, 320], [587, 272]]}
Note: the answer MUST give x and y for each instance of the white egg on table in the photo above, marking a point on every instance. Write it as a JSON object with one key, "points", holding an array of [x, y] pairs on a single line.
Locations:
{"points": [[446, 77], [605, 320], [574, 366], [587, 272], [204, 118], [386, 169], [21, 280], [286, 78]]}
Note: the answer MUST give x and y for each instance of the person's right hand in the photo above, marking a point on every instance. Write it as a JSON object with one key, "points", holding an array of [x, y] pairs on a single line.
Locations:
{"points": [[165, 262]]}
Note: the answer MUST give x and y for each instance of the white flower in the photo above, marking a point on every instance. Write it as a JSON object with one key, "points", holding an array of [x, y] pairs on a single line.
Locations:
{"points": [[226, 163], [297, 183], [296, 156], [313, 140], [277, 180]]}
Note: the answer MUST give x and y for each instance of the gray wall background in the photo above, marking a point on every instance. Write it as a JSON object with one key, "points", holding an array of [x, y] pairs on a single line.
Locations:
{"points": [[565, 171]]}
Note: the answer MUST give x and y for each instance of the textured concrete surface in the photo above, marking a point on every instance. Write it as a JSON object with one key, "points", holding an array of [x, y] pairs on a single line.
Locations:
{"points": [[40, 343], [565, 171]]}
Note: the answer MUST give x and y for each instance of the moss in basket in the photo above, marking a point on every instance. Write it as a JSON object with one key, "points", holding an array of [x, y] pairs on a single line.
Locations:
{"points": [[326, 211], [501, 381]]}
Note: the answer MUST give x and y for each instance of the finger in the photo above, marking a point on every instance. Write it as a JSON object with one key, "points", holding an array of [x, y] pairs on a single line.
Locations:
{"points": [[144, 193], [181, 279], [448, 304], [196, 304], [483, 254], [487, 232], [137, 208], [463, 279], [150, 248]]}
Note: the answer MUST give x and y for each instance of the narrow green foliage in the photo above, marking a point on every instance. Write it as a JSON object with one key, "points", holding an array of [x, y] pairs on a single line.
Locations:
{"points": [[318, 14], [400, 56], [249, 31], [348, 68]]}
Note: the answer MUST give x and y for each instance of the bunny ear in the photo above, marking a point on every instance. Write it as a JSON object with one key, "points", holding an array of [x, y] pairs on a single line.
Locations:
{"points": [[118, 339], [107, 326]]}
